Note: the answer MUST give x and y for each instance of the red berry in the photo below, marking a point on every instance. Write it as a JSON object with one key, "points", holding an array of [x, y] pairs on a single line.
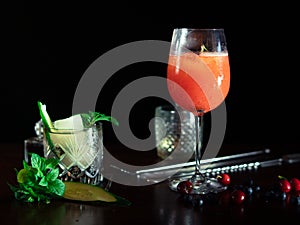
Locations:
{"points": [[285, 185], [238, 196], [185, 187], [295, 183], [224, 179]]}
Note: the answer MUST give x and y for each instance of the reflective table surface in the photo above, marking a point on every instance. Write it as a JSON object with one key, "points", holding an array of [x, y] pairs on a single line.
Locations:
{"points": [[153, 204]]}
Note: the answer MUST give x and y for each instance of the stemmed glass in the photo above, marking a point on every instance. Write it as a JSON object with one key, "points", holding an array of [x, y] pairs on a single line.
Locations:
{"points": [[198, 80]]}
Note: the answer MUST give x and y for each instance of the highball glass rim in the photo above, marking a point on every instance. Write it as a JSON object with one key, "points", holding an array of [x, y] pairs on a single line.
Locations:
{"points": [[73, 131]]}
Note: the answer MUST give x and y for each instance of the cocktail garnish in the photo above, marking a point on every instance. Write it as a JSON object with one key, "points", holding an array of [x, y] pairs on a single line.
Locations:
{"points": [[78, 121], [86, 192], [44, 115], [92, 117], [203, 48], [39, 181]]}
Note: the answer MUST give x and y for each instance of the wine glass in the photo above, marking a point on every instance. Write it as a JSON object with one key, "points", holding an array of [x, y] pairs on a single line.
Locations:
{"points": [[198, 80]]}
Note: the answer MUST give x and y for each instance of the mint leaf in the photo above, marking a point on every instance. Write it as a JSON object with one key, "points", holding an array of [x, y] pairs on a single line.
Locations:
{"points": [[91, 118], [39, 181], [37, 162], [57, 187], [43, 182], [51, 163], [52, 175], [25, 165]]}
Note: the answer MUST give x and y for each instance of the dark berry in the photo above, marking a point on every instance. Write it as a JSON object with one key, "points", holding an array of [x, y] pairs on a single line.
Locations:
{"points": [[295, 200], [197, 201], [248, 190], [248, 182], [224, 179], [281, 196], [257, 188], [185, 187], [269, 195], [238, 196], [193, 200], [188, 198]]}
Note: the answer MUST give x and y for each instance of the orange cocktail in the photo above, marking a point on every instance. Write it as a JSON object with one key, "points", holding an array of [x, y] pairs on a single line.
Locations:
{"points": [[199, 82]]}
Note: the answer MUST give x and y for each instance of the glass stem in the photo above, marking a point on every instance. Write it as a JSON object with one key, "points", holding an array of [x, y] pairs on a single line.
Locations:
{"points": [[199, 141]]}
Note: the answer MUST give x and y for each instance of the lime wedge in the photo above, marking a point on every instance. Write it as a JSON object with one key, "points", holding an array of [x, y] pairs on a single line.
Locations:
{"points": [[22, 175], [73, 122]]}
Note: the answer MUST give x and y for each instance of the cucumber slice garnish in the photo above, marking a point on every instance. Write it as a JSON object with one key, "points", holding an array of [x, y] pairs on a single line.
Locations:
{"points": [[44, 115], [86, 192]]}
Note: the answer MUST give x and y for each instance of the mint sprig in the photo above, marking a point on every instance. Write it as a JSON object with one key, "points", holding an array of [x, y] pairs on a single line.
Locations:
{"points": [[92, 117], [39, 181], [88, 119]]}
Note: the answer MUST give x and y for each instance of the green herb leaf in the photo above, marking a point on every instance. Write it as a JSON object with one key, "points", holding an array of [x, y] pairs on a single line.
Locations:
{"points": [[43, 182], [38, 182], [52, 174], [92, 117], [51, 163], [57, 187]]}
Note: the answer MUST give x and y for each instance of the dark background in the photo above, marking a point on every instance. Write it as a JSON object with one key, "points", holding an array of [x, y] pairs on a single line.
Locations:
{"points": [[47, 46]]}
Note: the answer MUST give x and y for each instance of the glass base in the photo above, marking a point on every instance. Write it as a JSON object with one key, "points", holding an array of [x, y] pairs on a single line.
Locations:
{"points": [[97, 180], [208, 185]]}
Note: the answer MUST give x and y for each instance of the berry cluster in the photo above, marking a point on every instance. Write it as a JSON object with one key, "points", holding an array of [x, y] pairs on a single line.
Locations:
{"points": [[283, 189]]}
